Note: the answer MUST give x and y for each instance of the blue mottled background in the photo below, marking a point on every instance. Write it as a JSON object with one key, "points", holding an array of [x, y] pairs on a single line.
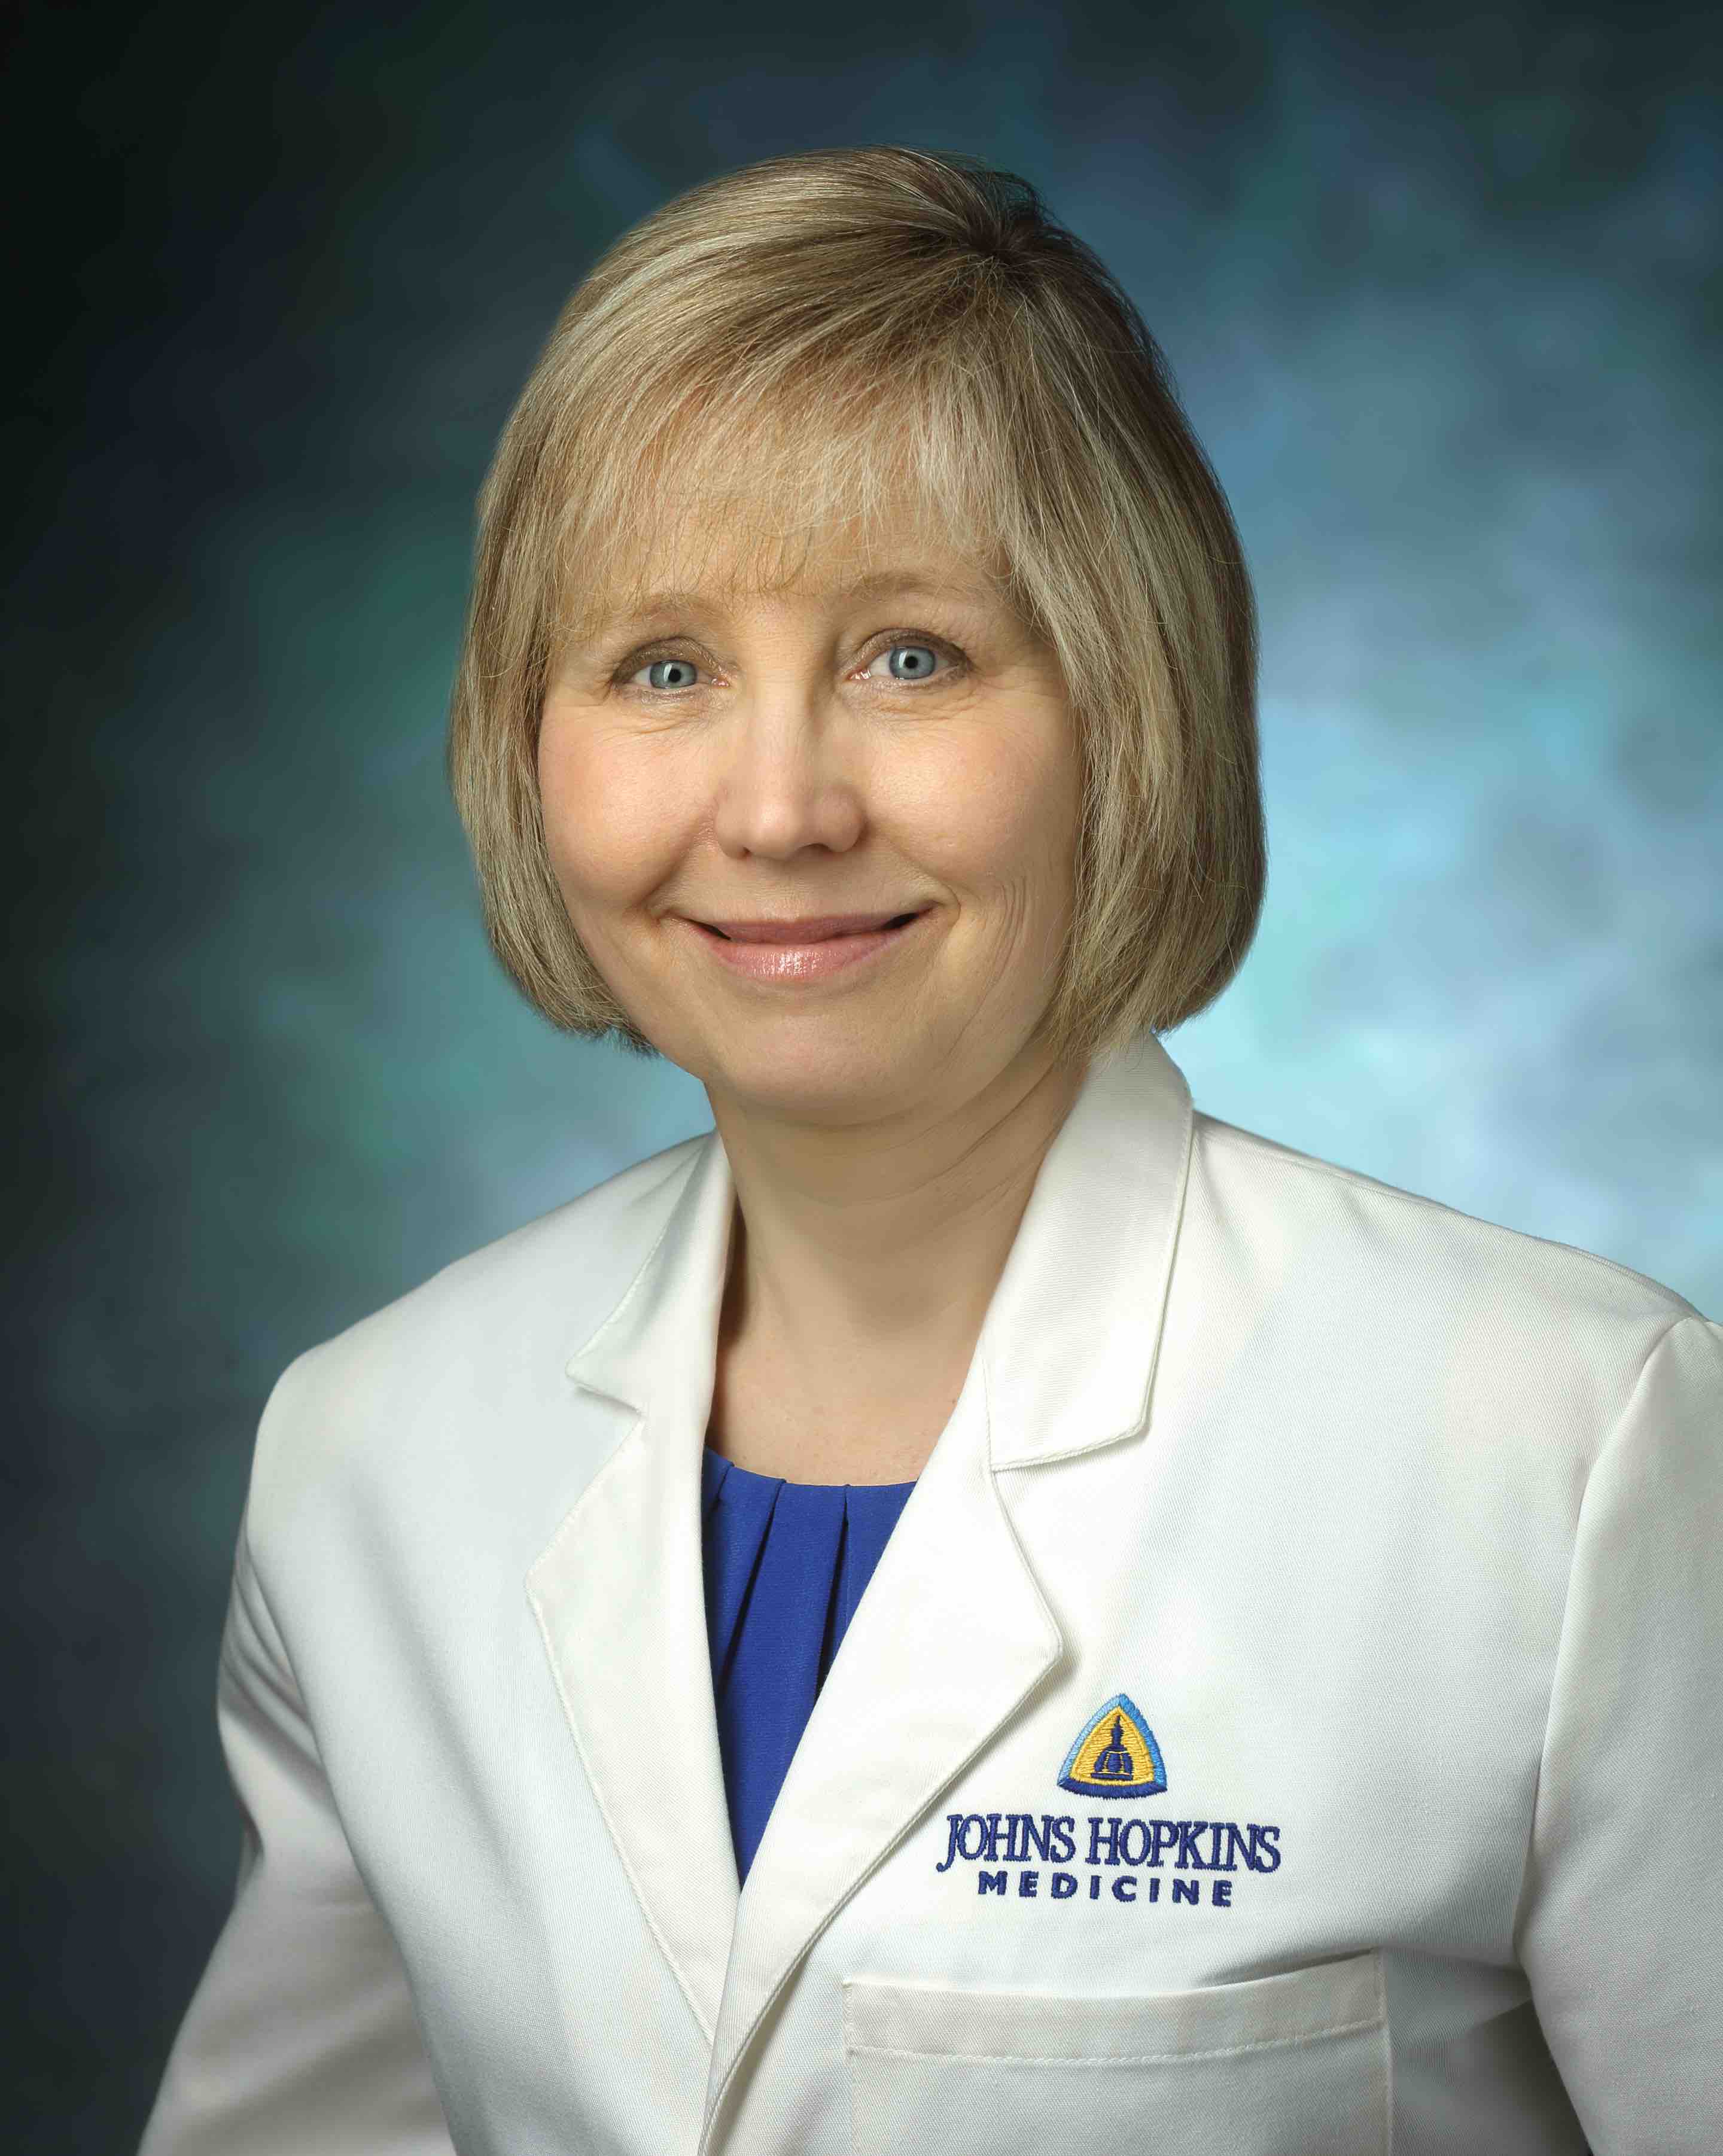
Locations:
{"points": [[1440, 289]]}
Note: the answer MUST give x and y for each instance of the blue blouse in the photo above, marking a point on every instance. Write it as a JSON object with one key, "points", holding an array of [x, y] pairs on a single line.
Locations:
{"points": [[786, 1564]]}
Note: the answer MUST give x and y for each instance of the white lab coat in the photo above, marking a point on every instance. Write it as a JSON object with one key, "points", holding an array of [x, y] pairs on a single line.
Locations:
{"points": [[1397, 1533]]}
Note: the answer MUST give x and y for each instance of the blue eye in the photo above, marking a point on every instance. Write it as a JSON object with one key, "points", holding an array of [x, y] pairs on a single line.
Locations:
{"points": [[670, 673], [911, 662]]}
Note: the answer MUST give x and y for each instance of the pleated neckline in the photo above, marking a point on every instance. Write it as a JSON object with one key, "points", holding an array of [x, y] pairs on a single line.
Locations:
{"points": [[786, 1565]]}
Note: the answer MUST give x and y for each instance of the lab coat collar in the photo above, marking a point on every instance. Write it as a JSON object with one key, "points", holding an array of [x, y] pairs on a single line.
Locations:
{"points": [[1094, 1245], [952, 1635]]}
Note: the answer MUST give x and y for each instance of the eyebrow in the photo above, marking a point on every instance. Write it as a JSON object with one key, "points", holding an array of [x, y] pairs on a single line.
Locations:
{"points": [[920, 583]]}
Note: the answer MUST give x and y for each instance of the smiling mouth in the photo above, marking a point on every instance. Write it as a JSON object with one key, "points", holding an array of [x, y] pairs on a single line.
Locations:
{"points": [[897, 920]]}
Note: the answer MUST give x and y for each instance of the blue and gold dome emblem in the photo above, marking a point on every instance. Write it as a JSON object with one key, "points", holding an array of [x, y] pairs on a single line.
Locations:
{"points": [[1116, 1755]]}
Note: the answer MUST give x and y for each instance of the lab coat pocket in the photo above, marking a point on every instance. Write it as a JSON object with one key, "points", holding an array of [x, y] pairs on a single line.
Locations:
{"points": [[1292, 2065]]}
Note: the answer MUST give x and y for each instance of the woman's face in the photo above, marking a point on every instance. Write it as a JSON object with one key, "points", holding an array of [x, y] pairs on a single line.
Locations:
{"points": [[900, 745]]}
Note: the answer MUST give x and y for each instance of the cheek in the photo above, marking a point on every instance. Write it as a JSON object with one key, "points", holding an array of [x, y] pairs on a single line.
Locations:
{"points": [[609, 808], [1016, 827]]}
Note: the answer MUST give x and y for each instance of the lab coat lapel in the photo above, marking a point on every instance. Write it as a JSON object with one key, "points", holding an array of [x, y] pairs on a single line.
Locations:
{"points": [[619, 1591], [949, 1638], [954, 1634]]}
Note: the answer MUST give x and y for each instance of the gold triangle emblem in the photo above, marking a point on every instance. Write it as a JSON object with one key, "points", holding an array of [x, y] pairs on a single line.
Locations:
{"points": [[1116, 1755]]}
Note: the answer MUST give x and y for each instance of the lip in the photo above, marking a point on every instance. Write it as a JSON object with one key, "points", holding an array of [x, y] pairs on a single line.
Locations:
{"points": [[809, 928], [802, 951]]}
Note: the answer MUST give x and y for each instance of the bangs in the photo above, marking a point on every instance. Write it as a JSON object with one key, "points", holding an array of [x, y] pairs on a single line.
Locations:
{"points": [[729, 492]]}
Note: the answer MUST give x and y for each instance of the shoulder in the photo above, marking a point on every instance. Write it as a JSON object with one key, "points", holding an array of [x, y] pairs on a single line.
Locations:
{"points": [[569, 1264], [1435, 1243], [1414, 1284], [495, 1326]]}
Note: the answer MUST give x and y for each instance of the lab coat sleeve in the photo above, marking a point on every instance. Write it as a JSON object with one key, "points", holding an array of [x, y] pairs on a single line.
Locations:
{"points": [[301, 2035], [1621, 1922]]}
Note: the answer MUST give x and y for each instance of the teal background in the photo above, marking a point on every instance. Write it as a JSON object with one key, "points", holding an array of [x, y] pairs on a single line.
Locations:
{"points": [[1441, 292]]}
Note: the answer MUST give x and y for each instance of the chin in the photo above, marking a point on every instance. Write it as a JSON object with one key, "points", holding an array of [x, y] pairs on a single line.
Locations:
{"points": [[839, 1079]]}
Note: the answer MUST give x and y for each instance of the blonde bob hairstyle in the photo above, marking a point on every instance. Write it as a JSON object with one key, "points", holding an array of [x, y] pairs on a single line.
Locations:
{"points": [[829, 336]]}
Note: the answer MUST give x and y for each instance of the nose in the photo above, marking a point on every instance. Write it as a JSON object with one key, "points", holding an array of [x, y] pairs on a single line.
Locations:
{"points": [[785, 780]]}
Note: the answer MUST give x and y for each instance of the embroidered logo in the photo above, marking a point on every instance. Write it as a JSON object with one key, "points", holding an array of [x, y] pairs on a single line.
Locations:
{"points": [[1124, 1857], [1116, 1754]]}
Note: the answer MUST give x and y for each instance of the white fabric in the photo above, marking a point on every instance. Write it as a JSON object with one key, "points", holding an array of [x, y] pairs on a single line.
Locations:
{"points": [[1397, 1529]]}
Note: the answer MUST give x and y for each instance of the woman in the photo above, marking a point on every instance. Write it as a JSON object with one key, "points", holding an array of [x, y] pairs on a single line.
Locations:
{"points": [[1282, 1713]]}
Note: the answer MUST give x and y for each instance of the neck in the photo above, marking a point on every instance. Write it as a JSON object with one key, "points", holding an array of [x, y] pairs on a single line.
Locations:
{"points": [[863, 1260]]}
